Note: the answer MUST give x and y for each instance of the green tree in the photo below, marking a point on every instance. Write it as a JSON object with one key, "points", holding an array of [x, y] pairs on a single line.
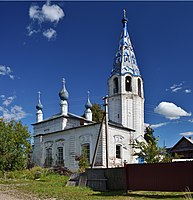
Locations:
{"points": [[14, 145], [149, 150], [97, 112], [148, 136]]}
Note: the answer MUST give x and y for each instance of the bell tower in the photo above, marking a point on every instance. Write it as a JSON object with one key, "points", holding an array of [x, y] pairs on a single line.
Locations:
{"points": [[125, 87]]}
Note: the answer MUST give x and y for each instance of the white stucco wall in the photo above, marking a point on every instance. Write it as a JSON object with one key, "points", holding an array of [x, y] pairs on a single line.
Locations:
{"points": [[72, 139]]}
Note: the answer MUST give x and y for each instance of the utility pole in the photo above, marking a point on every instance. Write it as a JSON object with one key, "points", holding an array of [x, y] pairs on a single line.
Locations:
{"points": [[106, 129], [97, 143]]}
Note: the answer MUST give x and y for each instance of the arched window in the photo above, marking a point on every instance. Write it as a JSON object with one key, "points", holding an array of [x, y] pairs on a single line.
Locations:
{"points": [[128, 87], [86, 151], [118, 151], [48, 160], [60, 156], [115, 87], [139, 87]]}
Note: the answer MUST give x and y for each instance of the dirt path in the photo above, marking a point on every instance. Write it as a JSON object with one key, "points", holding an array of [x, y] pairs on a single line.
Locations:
{"points": [[8, 193], [7, 197], [14, 195]]}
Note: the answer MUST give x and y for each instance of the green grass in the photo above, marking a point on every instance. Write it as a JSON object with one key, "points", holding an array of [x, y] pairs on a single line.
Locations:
{"points": [[53, 186]]}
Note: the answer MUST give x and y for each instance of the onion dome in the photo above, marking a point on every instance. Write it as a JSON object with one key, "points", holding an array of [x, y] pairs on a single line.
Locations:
{"points": [[88, 104], [125, 60], [39, 105], [63, 94]]}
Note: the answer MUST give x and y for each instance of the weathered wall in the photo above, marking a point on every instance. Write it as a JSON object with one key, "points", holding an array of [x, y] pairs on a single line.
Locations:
{"points": [[106, 179], [115, 178]]}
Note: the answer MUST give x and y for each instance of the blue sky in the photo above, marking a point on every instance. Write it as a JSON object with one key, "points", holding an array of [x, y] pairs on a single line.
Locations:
{"points": [[41, 42]]}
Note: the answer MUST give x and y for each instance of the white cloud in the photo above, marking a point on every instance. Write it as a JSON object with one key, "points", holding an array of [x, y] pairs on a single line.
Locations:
{"points": [[188, 91], [16, 112], [6, 71], [179, 87], [52, 13], [50, 34], [7, 100], [2, 96], [170, 111], [154, 126], [187, 134], [40, 15], [31, 30], [176, 87], [190, 120], [35, 13]]}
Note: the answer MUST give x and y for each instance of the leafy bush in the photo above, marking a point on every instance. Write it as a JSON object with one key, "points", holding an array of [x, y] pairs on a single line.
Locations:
{"points": [[1, 174], [83, 161], [13, 174], [30, 174]]}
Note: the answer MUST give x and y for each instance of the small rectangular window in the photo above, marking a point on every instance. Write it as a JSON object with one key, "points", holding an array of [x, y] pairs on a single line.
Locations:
{"points": [[118, 151], [115, 89], [48, 160], [139, 87], [60, 159], [81, 122]]}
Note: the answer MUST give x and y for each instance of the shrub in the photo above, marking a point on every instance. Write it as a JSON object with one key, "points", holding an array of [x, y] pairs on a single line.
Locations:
{"points": [[1, 174], [83, 162]]}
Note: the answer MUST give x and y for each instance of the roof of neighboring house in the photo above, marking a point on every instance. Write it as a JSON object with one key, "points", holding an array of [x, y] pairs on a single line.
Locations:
{"points": [[183, 138], [190, 140]]}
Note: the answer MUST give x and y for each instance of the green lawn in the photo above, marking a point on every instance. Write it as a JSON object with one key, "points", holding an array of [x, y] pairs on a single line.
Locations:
{"points": [[53, 186]]}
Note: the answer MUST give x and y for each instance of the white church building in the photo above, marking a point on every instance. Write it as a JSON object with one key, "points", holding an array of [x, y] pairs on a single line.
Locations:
{"points": [[59, 140]]}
